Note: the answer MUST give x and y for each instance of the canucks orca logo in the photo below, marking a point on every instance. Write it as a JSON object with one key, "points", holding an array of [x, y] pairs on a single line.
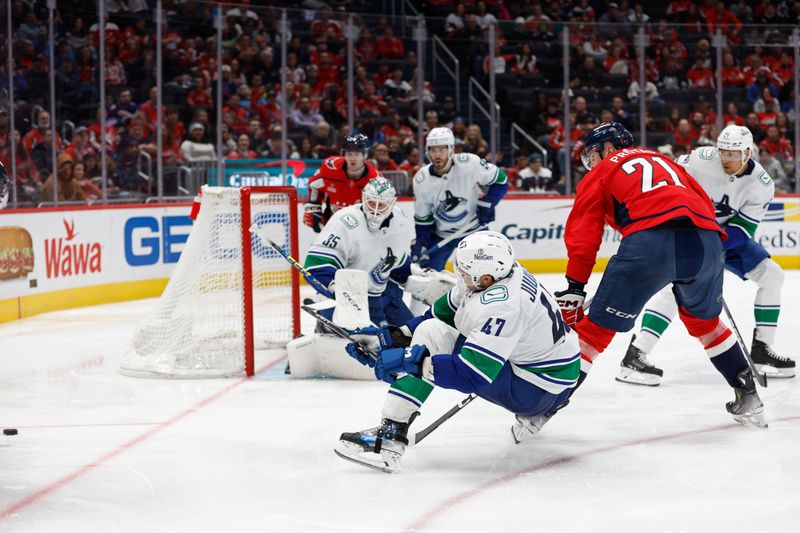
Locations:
{"points": [[449, 204], [380, 274], [722, 209]]}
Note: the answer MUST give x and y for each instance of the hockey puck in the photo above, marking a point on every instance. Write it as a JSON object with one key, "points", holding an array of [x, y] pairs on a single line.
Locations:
{"points": [[9, 431]]}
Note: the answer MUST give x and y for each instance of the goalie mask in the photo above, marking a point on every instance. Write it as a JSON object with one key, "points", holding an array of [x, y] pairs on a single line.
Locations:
{"points": [[734, 139], [377, 200], [482, 253]]}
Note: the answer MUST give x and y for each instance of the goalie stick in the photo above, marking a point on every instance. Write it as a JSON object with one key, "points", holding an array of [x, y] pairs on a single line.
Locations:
{"points": [[343, 333], [457, 235], [761, 378], [308, 276]]}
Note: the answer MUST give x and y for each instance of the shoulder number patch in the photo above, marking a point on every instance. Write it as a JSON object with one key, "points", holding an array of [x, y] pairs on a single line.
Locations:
{"points": [[494, 294]]}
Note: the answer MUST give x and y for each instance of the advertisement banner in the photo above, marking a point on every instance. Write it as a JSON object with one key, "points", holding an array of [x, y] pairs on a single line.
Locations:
{"points": [[267, 172]]}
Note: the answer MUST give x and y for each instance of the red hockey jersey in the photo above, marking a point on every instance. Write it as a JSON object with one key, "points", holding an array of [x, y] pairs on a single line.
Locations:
{"points": [[631, 190], [333, 189]]}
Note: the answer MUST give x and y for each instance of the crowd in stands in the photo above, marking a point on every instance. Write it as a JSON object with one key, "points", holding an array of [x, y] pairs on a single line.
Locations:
{"points": [[757, 75], [680, 78]]}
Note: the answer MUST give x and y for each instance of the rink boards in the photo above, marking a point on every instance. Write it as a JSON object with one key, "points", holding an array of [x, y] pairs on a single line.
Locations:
{"points": [[61, 258]]}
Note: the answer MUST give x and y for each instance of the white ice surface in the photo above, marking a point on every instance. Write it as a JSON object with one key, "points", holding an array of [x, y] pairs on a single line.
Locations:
{"points": [[98, 451]]}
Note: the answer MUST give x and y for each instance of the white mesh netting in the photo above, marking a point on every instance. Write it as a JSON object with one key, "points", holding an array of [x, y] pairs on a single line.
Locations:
{"points": [[197, 328]]}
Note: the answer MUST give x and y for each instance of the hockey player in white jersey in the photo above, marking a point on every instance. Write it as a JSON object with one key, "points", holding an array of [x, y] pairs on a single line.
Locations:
{"points": [[498, 334], [455, 194], [741, 191], [374, 236]]}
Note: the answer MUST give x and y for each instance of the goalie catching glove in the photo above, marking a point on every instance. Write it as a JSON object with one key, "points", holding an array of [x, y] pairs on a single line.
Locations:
{"points": [[571, 302], [392, 361]]}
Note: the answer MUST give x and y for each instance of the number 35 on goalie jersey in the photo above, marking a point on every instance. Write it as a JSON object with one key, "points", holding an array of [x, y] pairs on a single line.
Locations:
{"points": [[515, 321]]}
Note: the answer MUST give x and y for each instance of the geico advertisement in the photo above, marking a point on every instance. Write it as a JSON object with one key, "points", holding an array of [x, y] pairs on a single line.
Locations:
{"points": [[52, 250]]}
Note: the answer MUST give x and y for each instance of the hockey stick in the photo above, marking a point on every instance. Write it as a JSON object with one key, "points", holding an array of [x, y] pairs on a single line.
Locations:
{"points": [[761, 378], [343, 333], [457, 235], [308, 276]]}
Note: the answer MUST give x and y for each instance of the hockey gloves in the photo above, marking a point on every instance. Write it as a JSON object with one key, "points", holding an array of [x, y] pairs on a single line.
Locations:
{"points": [[354, 350], [485, 212], [389, 336], [400, 360], [571, 302], [312, 217]]}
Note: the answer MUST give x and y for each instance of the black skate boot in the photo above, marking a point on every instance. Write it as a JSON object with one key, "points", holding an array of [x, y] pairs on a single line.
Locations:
{"points": [[636, 369], [526, 427], [770, 363], [747, 408], [380, 448]]}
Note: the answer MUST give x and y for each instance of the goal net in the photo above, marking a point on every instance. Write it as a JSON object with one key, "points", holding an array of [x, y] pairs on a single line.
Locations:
{"points": [[230, 293]]}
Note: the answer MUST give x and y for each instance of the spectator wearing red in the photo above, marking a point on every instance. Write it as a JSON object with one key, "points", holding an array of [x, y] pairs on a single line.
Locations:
{"points": [[328, 73], [732, 116], [38, 134], [388, 46], [719, 17], [324, 27], [785, 69], [732, 75], [381, 159], [684, 136], [243, 150], [240, 114], [776, 145], [769, 115], [365, 47], [380, 77], [394, 127], [80, 147], [112, 34], [200, 95], [173, 123], [700, 76], [412, 162], [149, 109], [371, 102]]}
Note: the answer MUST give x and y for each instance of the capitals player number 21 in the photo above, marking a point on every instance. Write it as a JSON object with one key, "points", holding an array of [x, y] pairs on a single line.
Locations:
{"points": [[648, 172]]}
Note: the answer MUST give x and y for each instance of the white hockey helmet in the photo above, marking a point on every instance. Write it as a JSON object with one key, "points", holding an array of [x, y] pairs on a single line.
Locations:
{"points": [[736, 138], [481, 253], [377, 200], [441, 137]]}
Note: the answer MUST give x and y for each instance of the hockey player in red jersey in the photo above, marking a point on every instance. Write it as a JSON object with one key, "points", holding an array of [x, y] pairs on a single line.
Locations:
{"points": [[669, 236], [338, 182]]}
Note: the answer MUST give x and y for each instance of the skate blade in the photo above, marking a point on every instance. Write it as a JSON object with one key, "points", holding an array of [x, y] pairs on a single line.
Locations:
{"points": [[776, 373], [628, 375], [753, 419], [354, 454]]}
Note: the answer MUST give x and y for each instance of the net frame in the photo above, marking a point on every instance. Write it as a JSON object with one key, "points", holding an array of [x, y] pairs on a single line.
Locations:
{"points": [[225, 296]]}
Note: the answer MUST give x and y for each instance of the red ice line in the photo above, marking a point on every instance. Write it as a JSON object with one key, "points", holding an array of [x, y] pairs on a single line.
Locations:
{"points": [[49, 489], [426, 519]]}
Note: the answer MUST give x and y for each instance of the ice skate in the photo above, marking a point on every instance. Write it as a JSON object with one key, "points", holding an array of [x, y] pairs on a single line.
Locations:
{"points": [[747, 408], [769, 362], [636, 369], [380, 448], [526, 427]]}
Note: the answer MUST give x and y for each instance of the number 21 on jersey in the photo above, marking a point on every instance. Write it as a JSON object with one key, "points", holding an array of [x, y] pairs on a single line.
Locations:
{"points": [[652, 177]]}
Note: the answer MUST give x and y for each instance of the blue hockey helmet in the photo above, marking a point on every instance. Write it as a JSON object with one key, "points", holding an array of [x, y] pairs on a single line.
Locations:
{"points": [[612, 132], [357, 142]]}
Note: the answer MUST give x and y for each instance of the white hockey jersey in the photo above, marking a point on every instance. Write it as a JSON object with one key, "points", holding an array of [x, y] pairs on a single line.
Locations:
{"points": [[345, 242], [514, 320], [739, 201], [450, 201]]}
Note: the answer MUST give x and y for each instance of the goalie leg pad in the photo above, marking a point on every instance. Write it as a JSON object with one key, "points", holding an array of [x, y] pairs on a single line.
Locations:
{"points": [[320, 355], [352, 300]]}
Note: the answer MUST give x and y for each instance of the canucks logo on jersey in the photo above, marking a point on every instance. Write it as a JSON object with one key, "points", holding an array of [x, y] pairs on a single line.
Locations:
{"points": [[380, 274], [444, 211], [722, 209]]}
